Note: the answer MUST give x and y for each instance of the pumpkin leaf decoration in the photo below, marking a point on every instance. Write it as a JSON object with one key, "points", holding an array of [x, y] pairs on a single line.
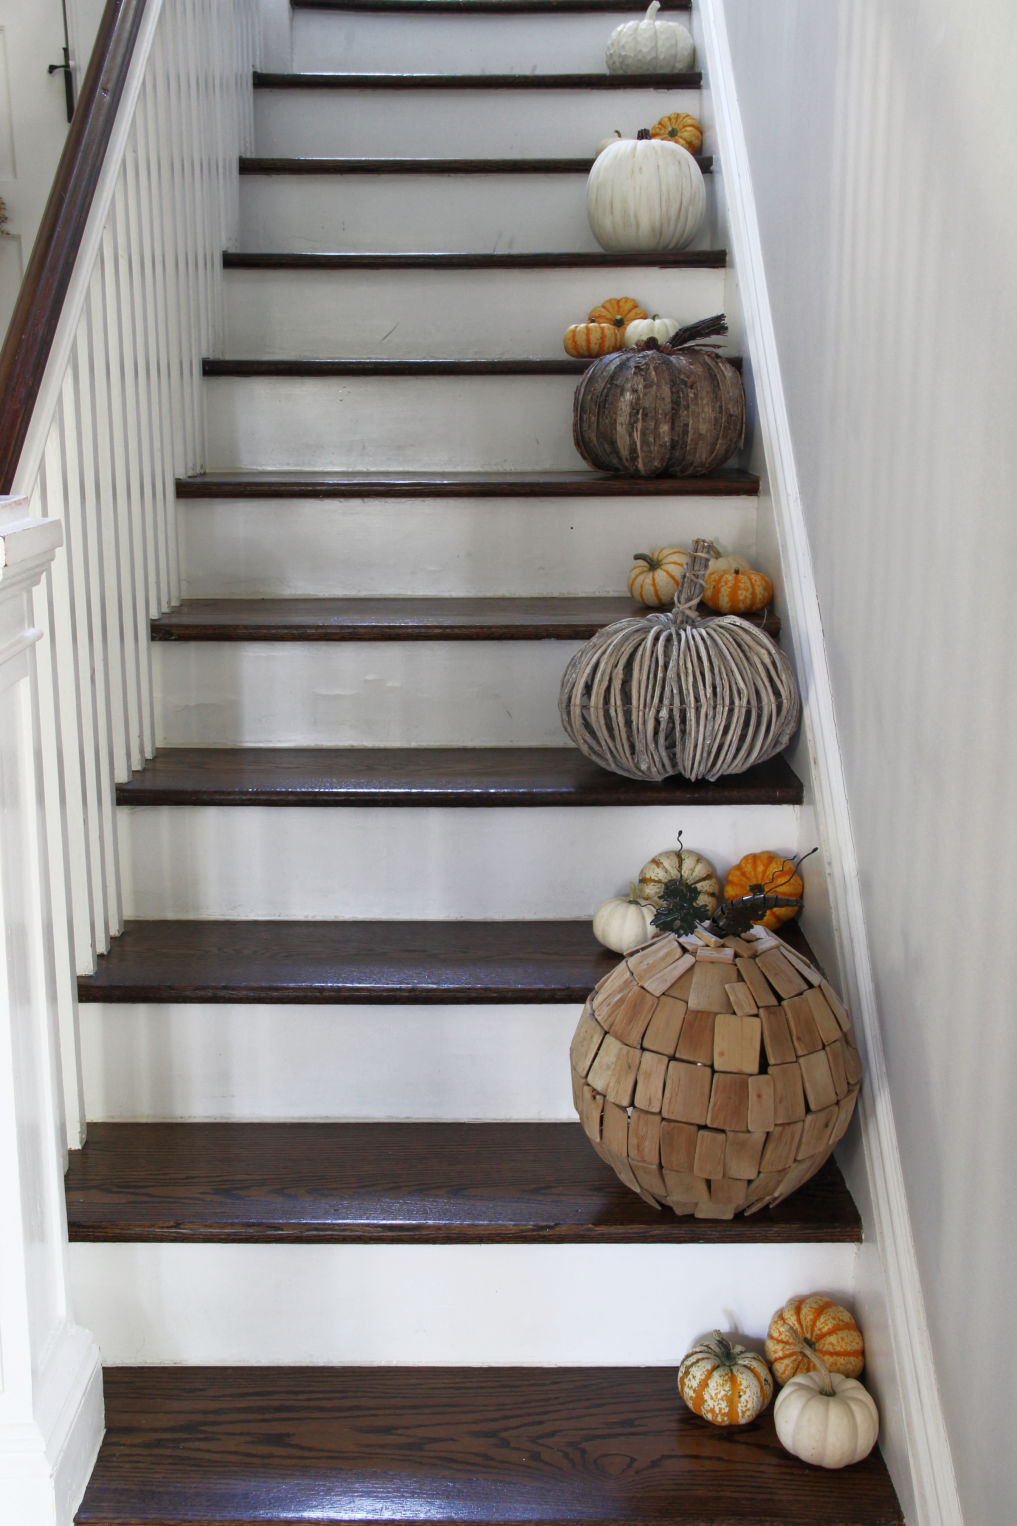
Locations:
{"points": [[680, 904]]}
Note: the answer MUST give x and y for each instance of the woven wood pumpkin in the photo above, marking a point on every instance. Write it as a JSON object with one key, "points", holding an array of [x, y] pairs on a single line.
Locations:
{"points": [[660, 409], [714, 1075], [643, 194], [662, 694]]}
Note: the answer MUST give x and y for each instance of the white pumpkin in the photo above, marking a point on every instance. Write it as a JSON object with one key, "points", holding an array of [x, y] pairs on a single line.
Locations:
{"points": [[656, 327], [645, 193], [615, 137], [681, 864], [730, 563], [650, 46], [623, 922], [825, 1419]]}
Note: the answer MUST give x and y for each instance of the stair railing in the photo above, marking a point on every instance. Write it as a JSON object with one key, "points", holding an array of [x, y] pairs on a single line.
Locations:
{"points": [[100, 376]]}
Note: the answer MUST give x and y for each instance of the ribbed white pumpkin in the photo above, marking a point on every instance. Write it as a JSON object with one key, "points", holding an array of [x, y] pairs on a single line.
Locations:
{"points": [[679, 864], [645, 193], [661, 329], [650, 46], [828, 1429]]}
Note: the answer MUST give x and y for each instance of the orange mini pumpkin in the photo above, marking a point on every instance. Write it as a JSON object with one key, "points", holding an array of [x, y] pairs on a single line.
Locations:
{"points": [[616, 310], [679, 127], [655, 575], [737, 591], [585, 341], [814, 1324], [777, 876], [723, 1382]]}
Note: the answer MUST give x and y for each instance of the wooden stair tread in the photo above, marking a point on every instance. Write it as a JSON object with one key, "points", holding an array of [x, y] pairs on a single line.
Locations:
{"points": [[481, 7], [563, 365], [595, 1446], [267, 80], [418, 619], [359, 962], [728, 482], [307, 165], [396, 1183], [448, 776], [683, 259]]}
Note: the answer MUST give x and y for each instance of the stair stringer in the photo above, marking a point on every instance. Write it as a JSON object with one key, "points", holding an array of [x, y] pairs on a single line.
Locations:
{"points": [[900, 1367]]}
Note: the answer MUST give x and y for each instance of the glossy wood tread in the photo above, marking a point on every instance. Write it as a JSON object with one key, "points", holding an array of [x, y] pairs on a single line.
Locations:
{"points": [[425, 776], [482, 7], [590, 1446], [396, 1183], [595, 259], [311, 166], [366, 963], [563, 365], [331, 81], [491, 619], [729, 482]]}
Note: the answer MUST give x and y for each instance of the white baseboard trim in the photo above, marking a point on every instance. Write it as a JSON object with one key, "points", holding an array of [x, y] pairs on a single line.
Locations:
{"points": [[914, 1436], [46, 1461]]}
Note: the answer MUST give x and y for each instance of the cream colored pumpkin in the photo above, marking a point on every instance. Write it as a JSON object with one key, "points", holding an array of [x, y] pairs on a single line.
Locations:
{"points": [[730, 563], [644, 194], [615, 137], [655, 575], [650, 46], [825, 1419], [679, 864], [657, 328], [623, 922]]}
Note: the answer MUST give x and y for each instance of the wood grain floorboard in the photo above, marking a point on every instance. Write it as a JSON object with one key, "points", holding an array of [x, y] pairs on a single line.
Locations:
{"points": [[600, 1446], [580, 484]]}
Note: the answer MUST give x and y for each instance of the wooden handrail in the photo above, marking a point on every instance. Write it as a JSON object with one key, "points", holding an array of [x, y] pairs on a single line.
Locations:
{"points": [[55, 251]]}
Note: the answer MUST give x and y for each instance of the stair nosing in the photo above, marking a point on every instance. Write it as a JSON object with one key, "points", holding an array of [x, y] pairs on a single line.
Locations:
{"points": [[404, 366], [561, 484], [481, 7], [687, 259], [308, 165], [331, 80]]}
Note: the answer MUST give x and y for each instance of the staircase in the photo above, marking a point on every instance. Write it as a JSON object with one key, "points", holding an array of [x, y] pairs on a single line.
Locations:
{"points": [[345, 1249]]}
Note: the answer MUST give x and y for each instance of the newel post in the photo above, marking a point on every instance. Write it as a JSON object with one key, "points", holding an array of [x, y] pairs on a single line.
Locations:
{"points": [[51, 1414]]}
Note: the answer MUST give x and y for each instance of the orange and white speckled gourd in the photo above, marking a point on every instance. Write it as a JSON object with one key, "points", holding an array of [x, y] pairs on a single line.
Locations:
{"points": [[723, 1382], [814, 1324]]}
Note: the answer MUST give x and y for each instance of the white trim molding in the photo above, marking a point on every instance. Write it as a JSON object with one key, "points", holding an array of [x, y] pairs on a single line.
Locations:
{"points": [[914, 1435]]}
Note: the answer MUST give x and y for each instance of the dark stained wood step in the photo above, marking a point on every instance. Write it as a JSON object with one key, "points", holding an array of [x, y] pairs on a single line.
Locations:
{"points": [[563, 365], [729, 482], [422, 776], [487, 82], [310, 166], [485, 7], [683, 259], [367, 963], [601, 1446], [396, 1183], [492, 619]]}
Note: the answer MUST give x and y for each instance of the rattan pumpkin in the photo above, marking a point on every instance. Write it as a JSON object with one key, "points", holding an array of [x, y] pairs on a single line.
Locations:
{"points": [[714, 1075], [671, 409], [662, 694], [619, 311], [586, 341], [767, 872], [679, 127], [814, 1334], [723, 1382]]}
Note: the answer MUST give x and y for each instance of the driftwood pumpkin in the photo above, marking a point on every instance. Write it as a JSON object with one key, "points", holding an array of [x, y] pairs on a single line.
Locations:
{"points": [[655, 409], [662, 694]]}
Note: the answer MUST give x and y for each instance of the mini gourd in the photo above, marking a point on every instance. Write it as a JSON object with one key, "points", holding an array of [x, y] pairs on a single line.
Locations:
{"points": [[650, 46], [587, 341], [724, 1383], [661, 329], [679, 864], [825, 1419], [768, 873], [623, 922], [645, 194], [679, 127], [813, 1332], [655, 575], [618, 311]]}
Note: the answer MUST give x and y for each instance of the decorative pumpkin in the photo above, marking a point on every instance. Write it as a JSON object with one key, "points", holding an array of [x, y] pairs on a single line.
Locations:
{"points": [[623, 922], [771, 873], [650, 46], [723, 1382], [606, 142], [737, 593], [655, 575], [588, 340], [669, 693], [645, 194], [660, 410], [661, 329], [679, 127], [679, 864], [618, 311], [732, 562], [826, 1420], [814, 1333], [714, 1073]]}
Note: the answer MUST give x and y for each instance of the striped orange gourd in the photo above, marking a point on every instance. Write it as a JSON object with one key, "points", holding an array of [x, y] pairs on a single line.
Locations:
{"points": [[616, 310], [776, 875], [585, 341], [655, 575], [737, 592], [723, 1382], [814, 1324], [679, 127]]}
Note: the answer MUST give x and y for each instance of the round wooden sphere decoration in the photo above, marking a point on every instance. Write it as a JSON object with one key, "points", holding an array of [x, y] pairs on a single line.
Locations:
{"points": [[656, 410], [714, 1075], [663, 694]]}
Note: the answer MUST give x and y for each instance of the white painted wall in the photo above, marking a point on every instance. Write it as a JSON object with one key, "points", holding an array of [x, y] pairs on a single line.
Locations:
{"points": [[885, 180]]}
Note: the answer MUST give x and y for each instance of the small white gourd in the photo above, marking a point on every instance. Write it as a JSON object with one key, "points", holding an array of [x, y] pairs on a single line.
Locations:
{"points": [[826, 1419], [650, 46], [644, 193], [623, 922], [616, 137], [656, 327]]}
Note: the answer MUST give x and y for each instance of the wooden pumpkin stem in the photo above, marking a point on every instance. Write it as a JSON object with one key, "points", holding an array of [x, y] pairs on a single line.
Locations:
{"points": [[693, 333], [689, 591]]}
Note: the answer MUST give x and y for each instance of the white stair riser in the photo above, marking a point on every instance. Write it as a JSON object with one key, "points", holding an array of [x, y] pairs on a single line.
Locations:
{"points": [[455, 124], [480, 213], [277, 548], [257, 1063], [402, 423], [461, 314], [449, 44], [409, 864], [360, 694], [466, 1305]]}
